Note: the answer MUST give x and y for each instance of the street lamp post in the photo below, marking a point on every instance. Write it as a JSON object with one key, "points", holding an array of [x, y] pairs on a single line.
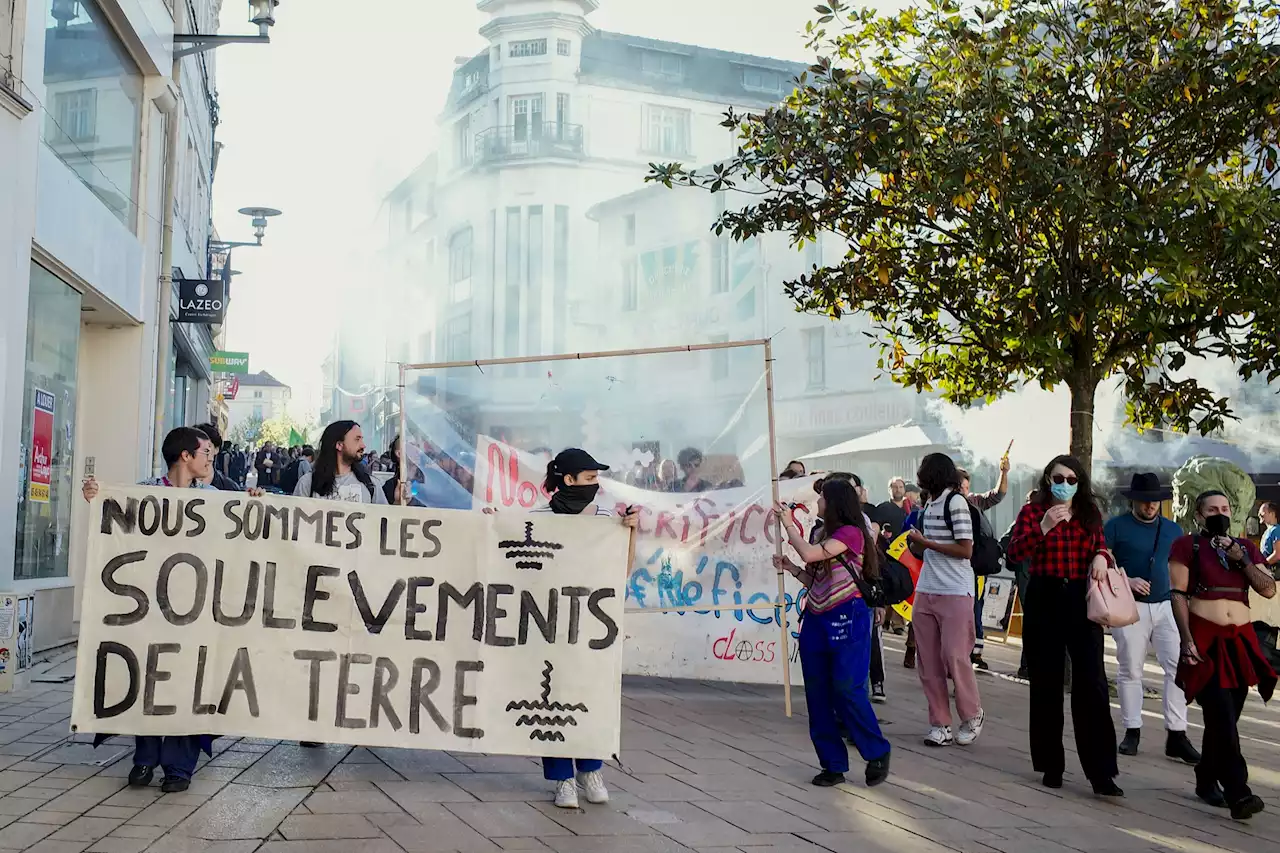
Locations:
{"points": [[262, 14], [259, 217]]}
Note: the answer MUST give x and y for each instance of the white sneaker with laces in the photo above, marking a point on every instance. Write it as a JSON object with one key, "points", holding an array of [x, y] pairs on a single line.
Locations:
{"points": [[593, 784], [566, 794], [970, 729], [939, 736]]}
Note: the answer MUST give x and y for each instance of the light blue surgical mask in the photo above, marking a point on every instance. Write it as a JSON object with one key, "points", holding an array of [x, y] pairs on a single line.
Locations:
{"points": [[1063, 491]]}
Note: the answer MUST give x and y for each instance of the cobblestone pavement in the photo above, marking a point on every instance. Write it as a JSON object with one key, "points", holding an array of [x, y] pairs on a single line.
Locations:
{"points": [[705, 767]]}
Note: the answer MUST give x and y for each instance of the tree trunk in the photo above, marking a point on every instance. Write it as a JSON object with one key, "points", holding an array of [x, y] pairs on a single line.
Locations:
{"points": [[1083, 389]]}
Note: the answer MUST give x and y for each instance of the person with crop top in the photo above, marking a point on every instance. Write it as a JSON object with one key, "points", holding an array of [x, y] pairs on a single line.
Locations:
{"points": [[1211, 573], [835, 633], [1059, 536]]}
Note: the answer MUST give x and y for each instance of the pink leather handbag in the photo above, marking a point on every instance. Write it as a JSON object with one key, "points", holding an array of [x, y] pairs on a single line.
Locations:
{"points": [[1110, 601]]}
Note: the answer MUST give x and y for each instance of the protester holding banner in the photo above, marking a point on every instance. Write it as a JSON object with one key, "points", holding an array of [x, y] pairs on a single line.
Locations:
{"points": [[1059, 533], [339, 474], [835, 633], [189, 454], [573, 481]]}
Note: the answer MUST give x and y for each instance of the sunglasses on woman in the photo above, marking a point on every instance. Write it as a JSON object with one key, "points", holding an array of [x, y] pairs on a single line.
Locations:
{"points": [[1069, 479]]}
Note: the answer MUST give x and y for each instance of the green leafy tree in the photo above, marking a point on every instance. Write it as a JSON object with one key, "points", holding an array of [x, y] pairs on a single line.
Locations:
{"points": [[247, 432], [1056, 192]]}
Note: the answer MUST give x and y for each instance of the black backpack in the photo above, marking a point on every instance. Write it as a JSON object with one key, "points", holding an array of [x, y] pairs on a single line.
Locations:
{"points": [[988, 558], [289, 479], [894, 585]]}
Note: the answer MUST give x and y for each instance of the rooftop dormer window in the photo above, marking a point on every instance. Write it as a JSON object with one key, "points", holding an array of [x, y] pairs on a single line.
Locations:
{"points": [[660, 64], [761, 80]]}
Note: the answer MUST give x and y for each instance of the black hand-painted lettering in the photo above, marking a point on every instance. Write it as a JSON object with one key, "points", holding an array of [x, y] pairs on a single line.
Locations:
{"points": [[229, 510], [473, 597], [281, 515], [331, 519], [385, 676], [420, 695], [383, 528], [374, 623], [123, 589], [163, 600], [462, 699], [199, 708], [313, 677], [171, 522], [610, 626], [113, 516], [145, 525], [195, 517], [357, 537], [240, 678], [315, 519], [428, 526], [412, 607], [313, 594], [269, 618], [101, 710], [346, 688], [575, 595], [250, 596], [254, 514], [546, 622], [493, 612], [406, 536], [155, 673]]}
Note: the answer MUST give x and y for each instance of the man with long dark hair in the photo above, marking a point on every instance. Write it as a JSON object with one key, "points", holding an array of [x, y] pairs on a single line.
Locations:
{"points": [[835, 633], [1059, 534], [339, 473]]}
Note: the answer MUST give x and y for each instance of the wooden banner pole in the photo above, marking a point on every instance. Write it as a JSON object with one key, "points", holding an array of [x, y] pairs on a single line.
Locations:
{"points": [[777, 537]]}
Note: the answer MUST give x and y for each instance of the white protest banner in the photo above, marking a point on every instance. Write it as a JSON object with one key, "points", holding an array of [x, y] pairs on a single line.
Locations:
{"points": [[215, 613], [693, 550]]}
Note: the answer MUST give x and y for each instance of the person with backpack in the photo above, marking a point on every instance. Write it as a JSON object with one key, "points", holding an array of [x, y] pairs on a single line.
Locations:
{"points": [[1059, 534], [982, 503], [835, 632], [1141, 539], [943, 613], [1211, 574], [299, 467], [339, 473]]}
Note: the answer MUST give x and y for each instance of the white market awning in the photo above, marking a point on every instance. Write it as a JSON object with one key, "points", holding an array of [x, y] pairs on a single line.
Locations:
{"points": [[905, 436]]}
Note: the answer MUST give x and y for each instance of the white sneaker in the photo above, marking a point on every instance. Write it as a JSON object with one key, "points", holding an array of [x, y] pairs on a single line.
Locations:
{"points": [[566, 795], [593, 784], [970, 729], [939, 736]]}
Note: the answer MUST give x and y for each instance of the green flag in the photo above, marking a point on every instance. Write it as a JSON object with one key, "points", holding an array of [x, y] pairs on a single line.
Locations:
{"points": [[295, 440]]}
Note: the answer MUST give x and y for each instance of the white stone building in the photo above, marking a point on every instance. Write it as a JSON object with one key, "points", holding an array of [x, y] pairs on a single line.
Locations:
{"points": [[88, 96], [531, 231], [260, 396]]}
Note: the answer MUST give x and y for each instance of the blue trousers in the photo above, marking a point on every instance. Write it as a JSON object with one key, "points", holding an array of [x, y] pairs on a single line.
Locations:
{"points": [[177, 754], [561, 769], [835, 656]]}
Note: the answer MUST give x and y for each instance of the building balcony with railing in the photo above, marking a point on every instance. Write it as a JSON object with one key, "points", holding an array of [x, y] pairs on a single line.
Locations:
{"points": [[525, 141]]}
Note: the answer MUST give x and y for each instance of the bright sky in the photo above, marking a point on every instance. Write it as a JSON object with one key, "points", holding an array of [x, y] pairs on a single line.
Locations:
{"points": [[339, 107]]}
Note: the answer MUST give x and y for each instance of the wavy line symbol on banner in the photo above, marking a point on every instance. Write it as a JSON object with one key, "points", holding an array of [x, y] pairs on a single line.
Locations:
{"points": [[531, 550], [544, 703]]}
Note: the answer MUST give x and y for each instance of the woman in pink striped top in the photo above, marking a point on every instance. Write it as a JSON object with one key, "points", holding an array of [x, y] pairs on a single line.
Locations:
{"points": [[835, 634]]}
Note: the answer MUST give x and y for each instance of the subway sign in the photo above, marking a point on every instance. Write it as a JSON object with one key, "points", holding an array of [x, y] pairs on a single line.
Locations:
{"points": [[201, 301], [229, 362]]}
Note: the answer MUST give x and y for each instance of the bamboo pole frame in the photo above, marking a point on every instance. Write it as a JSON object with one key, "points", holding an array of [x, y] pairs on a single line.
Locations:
{"points": [[780, 606]]}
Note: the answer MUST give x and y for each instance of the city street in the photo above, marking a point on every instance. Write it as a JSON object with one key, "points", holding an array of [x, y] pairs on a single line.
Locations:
{"points": [[705, 767]]}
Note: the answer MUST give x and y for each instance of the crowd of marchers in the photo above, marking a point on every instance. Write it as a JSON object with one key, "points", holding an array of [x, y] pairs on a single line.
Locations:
{"points": [[1189, 592]]}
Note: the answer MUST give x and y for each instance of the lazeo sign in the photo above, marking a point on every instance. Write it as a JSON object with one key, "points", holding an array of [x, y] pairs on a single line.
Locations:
{"points": [[202, 301]]}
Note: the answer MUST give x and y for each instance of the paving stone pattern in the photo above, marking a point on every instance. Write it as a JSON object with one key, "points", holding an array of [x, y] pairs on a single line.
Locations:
{"points": [[705, 767]]}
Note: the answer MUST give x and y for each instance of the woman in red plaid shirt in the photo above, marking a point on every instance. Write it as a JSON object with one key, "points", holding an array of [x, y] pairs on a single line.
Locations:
{"points": [[1059, 535]]}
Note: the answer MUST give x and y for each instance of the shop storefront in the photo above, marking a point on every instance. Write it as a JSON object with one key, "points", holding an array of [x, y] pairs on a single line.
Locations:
{"points": [[47, 486]]}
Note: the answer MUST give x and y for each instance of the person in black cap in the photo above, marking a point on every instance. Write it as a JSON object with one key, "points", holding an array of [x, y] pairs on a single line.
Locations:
{"points": [[573, 481], [1141, 539]]}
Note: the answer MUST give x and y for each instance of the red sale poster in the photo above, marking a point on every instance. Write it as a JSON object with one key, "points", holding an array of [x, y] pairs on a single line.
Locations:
{"points": [[41, 447]]}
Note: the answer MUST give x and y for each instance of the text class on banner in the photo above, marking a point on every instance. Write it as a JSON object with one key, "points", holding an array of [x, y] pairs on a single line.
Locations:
{"points": [[218, 613]]}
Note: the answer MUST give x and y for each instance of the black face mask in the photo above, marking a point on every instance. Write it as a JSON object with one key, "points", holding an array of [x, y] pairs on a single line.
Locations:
{"points": [[571, 500], [1217, 525]]}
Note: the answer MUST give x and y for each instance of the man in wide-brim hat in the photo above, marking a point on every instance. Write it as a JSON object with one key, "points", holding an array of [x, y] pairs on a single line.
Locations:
{"points": [[1141, 539]]}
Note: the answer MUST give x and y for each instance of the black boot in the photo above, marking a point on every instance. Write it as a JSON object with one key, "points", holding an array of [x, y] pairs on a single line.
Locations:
{"points": [[1129, 746], [1211, 794], [877, 771], [140, 776], [1247, 808], [1179, 746], [1107, 788], [827, 779]]}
